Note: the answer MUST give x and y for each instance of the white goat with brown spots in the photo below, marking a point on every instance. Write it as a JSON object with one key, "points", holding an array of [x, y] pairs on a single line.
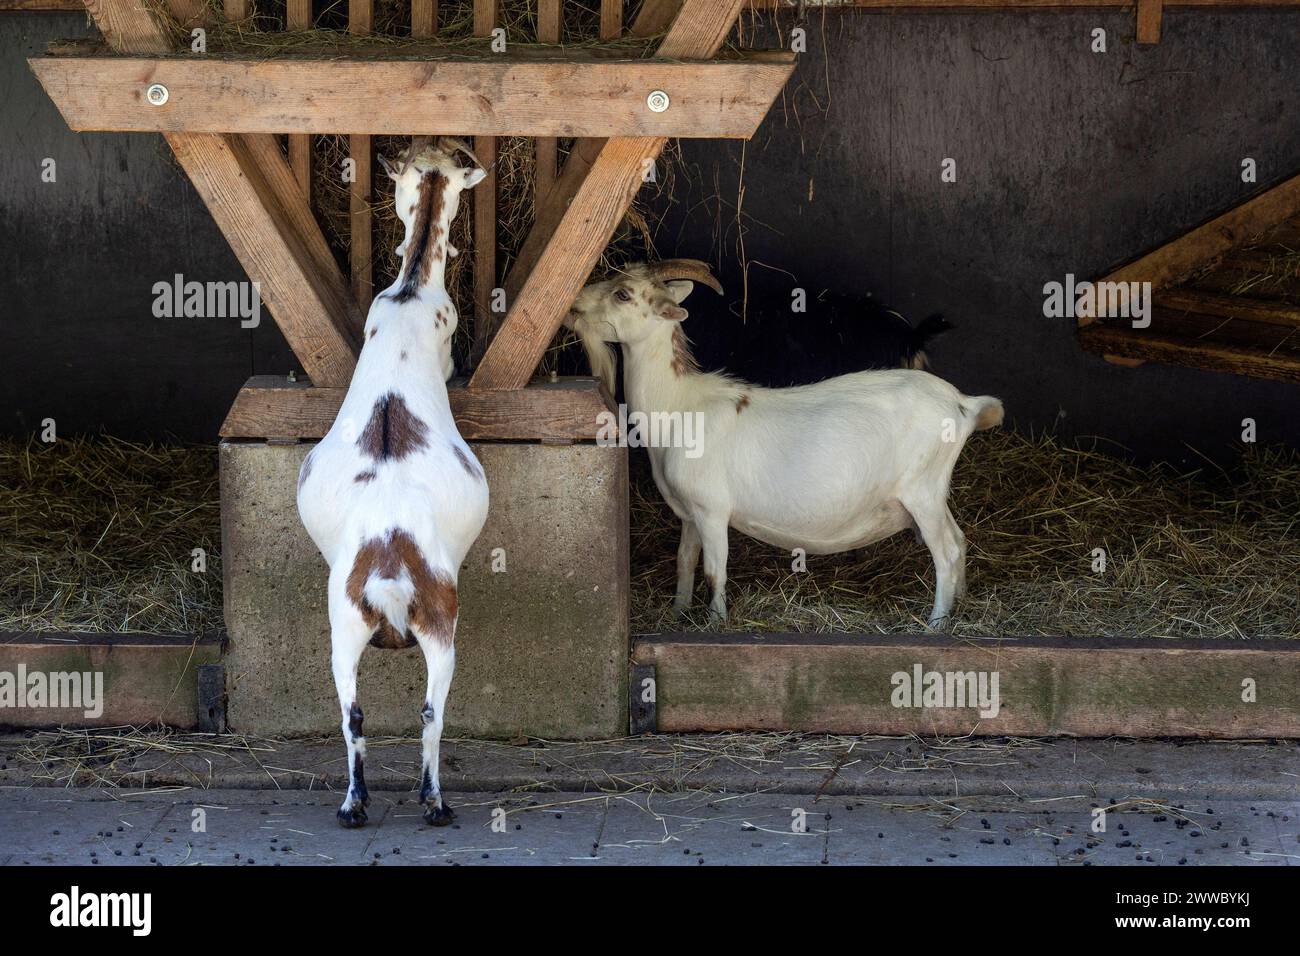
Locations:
{"points": [[392, 495], [826, 467]]}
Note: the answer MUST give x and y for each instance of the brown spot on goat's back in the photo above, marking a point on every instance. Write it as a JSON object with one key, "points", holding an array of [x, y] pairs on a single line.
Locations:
{"points": [[467, 463], [305, 470], [432, 609], [393, 431], [742, 403], [365, 477]]}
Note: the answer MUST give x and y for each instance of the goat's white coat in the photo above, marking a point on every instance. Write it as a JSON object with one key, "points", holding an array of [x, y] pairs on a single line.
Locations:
{"points": [[826, 467], [429, 494]]}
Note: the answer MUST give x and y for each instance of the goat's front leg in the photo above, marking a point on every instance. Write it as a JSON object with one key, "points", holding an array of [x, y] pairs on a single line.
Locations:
{"points": [[440, 658], [688, 555], [349, 640], [713, 537]]}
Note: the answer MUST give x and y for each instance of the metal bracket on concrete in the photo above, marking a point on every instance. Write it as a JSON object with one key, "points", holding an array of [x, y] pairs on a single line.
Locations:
{"points": [[212, 699], [643, 717]]}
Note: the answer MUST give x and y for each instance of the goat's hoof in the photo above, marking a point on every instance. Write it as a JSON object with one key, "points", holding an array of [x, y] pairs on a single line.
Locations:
{"points": [[439, 816], [679, 611], [350, 818]]}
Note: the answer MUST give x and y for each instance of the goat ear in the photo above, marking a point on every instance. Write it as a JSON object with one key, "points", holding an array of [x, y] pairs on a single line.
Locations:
{"points": [[473, 176], [679, 289], [673, 313], [393, 168]]}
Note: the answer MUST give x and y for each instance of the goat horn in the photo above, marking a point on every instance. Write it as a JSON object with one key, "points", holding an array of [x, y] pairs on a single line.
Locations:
{"points": [[692, 269], [453, 143]]}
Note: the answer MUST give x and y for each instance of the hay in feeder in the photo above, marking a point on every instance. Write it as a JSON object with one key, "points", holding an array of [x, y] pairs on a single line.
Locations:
{"points": [[97, 534], [1187, 555]]}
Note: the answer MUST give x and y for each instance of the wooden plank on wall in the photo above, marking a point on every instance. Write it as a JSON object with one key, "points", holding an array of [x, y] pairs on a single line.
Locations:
{"points": [[611, 19], [361, 20], [1177, 259], [236, 10], [1149, 13], [298, 16], [578, 95], [1098, 687], [590, 214], [485, 209], [568, 409]]}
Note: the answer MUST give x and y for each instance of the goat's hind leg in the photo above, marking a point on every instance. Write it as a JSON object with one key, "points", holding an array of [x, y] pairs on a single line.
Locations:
{"points": [[948, 548], [349, 634], [440, 657], [688, 556]]}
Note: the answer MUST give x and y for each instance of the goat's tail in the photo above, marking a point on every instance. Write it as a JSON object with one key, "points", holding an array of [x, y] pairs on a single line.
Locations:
{"points": [[392, 598], [986, 409], [924, 331]]}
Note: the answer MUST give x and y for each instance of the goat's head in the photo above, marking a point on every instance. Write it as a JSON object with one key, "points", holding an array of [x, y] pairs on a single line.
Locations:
{"points": [[640, 300], [430, 164]]}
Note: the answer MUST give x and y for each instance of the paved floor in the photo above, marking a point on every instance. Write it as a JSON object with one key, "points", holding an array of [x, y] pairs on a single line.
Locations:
{"points": [[257, 828]]}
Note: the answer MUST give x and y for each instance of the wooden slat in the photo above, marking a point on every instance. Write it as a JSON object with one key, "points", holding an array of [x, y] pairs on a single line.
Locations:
{"points": [[580, 95], [485, 208], [1085, 687], [236, 10], [655, 16], [586, 218], [550, 16], [249, 189], [361, 20], [1175, 260], [611, 19], [298, 16], [1149, 13], [1237, 359], [1230, 306], [424, 18], [564, 410]]}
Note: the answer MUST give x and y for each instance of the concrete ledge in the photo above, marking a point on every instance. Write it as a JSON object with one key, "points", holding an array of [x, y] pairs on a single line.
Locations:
{"points": [[1046, 686], [147, 678], [541, 647]]}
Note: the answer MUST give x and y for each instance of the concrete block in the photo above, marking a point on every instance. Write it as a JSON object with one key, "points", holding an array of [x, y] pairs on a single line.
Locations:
{"points": [[541, 648]]}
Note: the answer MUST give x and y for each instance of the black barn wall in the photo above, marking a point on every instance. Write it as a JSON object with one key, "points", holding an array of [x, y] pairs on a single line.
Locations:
{"points": [[80, 258], [1067, 161]]}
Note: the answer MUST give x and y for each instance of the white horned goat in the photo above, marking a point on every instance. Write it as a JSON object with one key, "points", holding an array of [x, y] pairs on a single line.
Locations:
{"points": [[392, 495], [826, 467]]}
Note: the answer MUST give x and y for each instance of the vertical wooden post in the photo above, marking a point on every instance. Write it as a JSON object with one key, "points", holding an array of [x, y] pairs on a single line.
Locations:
{"points": [[1148, 20], [549, 18], [611, 19], [235, 10], [361, 20], [424, 18], [485, 208], [297, 16]]}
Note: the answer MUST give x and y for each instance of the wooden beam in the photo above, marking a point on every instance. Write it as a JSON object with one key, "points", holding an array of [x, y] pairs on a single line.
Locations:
{"points": [[298, 16], [1145, 345], [250, 192], [565, 410], [361, 21], [585, 217], [424, 18], [654, 17], [1230, 306], [485, 208], [1176, 260], [579, 95], [1085, 687], [549, 23], [1148, 20]]}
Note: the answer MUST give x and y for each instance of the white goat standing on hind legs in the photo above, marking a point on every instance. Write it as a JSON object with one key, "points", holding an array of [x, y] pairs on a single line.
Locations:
{"points": [[392, 496], [826, 467]]}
